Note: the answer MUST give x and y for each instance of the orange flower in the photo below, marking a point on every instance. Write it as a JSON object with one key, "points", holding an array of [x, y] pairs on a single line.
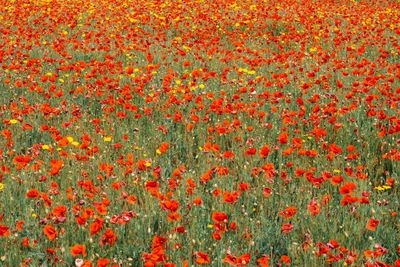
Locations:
{"points": [[63, 142], [20, 225], [22, 161], [267, 192], [336, 180], [263, 262], [78, 249], [132, 199], [109, 238], [372, 224], [287, 228], [163, 148], [103, 262], [4, 230], [101, 209], [347, 188], [56, 166], [237, 261], [264, 151], [33, 193], [197, 201], [228, 154], [348, 200], [171, 205], [283, 138], [87, 263], [219, 217], [314, 207], [269, 169], [50, 232], [25, 242], [288, 212], [231, 197], [286, 260], [96, 226], [173, 216], [202, 258], [60, 211]]}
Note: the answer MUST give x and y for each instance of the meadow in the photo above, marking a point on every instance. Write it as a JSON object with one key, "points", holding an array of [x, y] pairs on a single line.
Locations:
{"points": [[187, 133]]}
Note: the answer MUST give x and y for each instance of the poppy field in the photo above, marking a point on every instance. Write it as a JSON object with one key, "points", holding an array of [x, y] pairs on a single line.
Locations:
{"points": [[189, 133]]}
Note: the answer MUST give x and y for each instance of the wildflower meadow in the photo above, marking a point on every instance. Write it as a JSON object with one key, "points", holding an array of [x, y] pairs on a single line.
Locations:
{"points": [[187, 133]]}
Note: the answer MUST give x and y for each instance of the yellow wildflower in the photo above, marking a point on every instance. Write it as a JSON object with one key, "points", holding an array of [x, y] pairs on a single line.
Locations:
{"points": [[45, 147], [75, 143]]}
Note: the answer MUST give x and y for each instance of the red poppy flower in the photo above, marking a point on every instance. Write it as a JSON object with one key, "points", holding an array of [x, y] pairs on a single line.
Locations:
{"points": [[287, 228], [263, 262], [288, 212], [33, 193], [202, 258], [4, 230], [286, 260], [264, 151], [78, 249], [372, 224], [219, 217], [347, 188], [50, 232]]}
